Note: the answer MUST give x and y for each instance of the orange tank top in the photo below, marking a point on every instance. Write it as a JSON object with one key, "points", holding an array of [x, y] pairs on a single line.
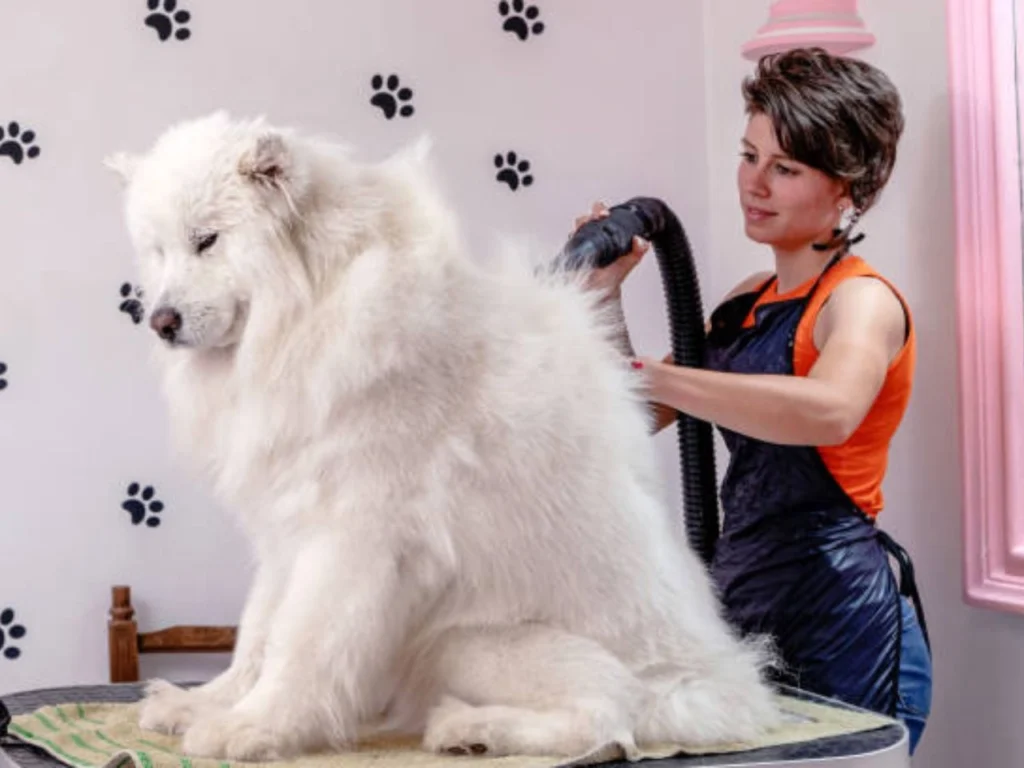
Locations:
{"points": [[859, 464]]}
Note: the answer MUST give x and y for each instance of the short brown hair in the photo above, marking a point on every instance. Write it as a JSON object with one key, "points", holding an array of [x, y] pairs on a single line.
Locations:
{"points": [[839, 115]]}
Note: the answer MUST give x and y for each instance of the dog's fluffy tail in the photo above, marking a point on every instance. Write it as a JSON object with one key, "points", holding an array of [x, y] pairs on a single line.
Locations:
{"points": [[728, 701]]}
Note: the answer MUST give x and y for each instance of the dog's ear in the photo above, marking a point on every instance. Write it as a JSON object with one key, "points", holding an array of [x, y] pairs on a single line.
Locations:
{"points": [[272, 164], [267, 161], [123, 164]]}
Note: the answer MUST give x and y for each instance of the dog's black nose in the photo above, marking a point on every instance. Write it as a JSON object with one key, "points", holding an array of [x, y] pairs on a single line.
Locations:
{"points": [[166, 322]]}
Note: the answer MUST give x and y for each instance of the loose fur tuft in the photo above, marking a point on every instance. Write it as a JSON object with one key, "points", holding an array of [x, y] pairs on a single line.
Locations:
{"points": [[123, 164]]}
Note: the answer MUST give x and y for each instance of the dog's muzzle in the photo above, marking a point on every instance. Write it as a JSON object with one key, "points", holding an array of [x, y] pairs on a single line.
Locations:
{"points": [[166, 322]]}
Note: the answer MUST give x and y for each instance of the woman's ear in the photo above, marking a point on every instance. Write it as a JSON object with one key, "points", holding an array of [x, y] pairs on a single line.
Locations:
{"points": [[843, 197], [845, 208]]}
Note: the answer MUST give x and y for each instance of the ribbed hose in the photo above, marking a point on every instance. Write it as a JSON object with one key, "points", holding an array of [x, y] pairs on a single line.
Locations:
{"points": [[602, 241]]}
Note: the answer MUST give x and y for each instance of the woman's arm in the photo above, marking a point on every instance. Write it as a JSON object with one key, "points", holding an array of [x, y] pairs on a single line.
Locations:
{"points": [[665, 415], [859, 331]]}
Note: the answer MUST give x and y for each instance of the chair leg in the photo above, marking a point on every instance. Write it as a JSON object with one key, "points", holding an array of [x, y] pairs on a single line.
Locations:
{"points": [[123, 637]]}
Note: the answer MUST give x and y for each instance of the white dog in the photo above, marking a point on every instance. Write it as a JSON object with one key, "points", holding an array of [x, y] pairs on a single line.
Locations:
{"points": [[445, 469]]}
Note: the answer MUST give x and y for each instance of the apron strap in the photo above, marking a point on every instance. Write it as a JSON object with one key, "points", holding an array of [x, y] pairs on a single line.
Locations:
{"points": [[908, 584]]}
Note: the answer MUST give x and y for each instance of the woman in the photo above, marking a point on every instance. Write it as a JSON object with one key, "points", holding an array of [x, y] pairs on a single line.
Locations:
{"points": [[808, 373]]}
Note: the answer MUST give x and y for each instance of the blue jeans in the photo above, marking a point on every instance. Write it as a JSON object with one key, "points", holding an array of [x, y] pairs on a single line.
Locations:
{"points": [[915, 694]]}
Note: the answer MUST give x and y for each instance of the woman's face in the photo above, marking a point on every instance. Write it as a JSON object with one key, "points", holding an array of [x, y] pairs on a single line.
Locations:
{"points": [[785, 204]]}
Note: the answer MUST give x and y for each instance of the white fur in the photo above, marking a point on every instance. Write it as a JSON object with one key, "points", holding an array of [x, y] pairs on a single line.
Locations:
{"points": [[445, 470]]}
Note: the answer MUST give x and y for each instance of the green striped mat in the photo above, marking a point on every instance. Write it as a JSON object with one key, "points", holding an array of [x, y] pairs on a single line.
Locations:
{"points": [[93, 735], [107, 735]]}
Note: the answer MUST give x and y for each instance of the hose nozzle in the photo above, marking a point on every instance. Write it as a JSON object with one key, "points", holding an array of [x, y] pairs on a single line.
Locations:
{"points": [[599, 243]]}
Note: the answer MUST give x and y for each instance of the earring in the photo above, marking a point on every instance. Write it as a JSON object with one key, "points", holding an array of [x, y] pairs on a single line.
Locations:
{"points": [[847, 217]]}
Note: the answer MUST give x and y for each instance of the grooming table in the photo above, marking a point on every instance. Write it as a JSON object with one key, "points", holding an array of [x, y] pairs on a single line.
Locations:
{"points": [[885, 747]]}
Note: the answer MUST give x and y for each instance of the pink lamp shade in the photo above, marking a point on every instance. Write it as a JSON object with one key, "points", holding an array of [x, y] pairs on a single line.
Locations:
{"points": [[830, 24]]}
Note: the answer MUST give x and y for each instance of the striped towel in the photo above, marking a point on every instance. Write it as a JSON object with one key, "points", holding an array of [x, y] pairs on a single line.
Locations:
{"points": [[106, 735]]}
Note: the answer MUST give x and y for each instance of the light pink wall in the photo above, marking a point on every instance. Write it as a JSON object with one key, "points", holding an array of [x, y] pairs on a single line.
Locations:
{"points": [[604, 104], [979, 677]]}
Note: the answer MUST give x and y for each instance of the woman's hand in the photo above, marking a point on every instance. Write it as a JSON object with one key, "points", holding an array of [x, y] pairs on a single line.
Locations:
{"points": [[609, 279], [654, 372]]}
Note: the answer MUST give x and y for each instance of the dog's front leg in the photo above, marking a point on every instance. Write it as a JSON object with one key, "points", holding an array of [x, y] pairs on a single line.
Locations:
{"points": [[170, 709], [347, 606]]}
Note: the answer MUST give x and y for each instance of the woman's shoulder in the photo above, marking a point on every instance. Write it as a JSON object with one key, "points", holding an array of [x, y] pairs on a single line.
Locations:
{"points": [[865, 300], [858, 269], [858, 280]]}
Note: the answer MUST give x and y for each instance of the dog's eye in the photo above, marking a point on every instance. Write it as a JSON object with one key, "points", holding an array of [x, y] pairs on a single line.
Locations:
{"points": [[206, 242]]}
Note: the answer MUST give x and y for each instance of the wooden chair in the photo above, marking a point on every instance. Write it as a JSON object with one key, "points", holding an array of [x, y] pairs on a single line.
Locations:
{"points": [[126, 642]]}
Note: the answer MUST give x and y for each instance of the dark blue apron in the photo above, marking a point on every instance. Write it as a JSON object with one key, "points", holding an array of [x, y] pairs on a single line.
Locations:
{"points": [[796, 557]]}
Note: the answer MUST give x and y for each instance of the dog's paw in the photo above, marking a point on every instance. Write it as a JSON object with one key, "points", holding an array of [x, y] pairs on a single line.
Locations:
{"points": [[167, 708], [233, 735], [456, 728]]}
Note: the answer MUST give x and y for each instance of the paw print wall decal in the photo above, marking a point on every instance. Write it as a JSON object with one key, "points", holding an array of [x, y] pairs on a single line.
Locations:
{"points": [[131, 303], [3, 377], [168, 20], [9, 631], [18, 144], [391, 97], [520, 19], [513, 170], [141, 505]]}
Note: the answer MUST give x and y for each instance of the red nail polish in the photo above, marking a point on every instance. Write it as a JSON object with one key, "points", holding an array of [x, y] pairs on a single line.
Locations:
{"points": [[637, 364]]}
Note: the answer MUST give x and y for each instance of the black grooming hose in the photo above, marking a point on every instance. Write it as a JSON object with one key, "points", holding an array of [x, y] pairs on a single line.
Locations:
{"points": [[600, 242]]}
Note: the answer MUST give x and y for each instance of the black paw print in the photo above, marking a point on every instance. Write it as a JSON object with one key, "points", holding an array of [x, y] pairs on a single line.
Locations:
{"points": [[3, 379], [167, 20], [19, 144], [520, 18], [388, 100], [512, 170], [132, 306], [138, 504], [8, 629]]}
